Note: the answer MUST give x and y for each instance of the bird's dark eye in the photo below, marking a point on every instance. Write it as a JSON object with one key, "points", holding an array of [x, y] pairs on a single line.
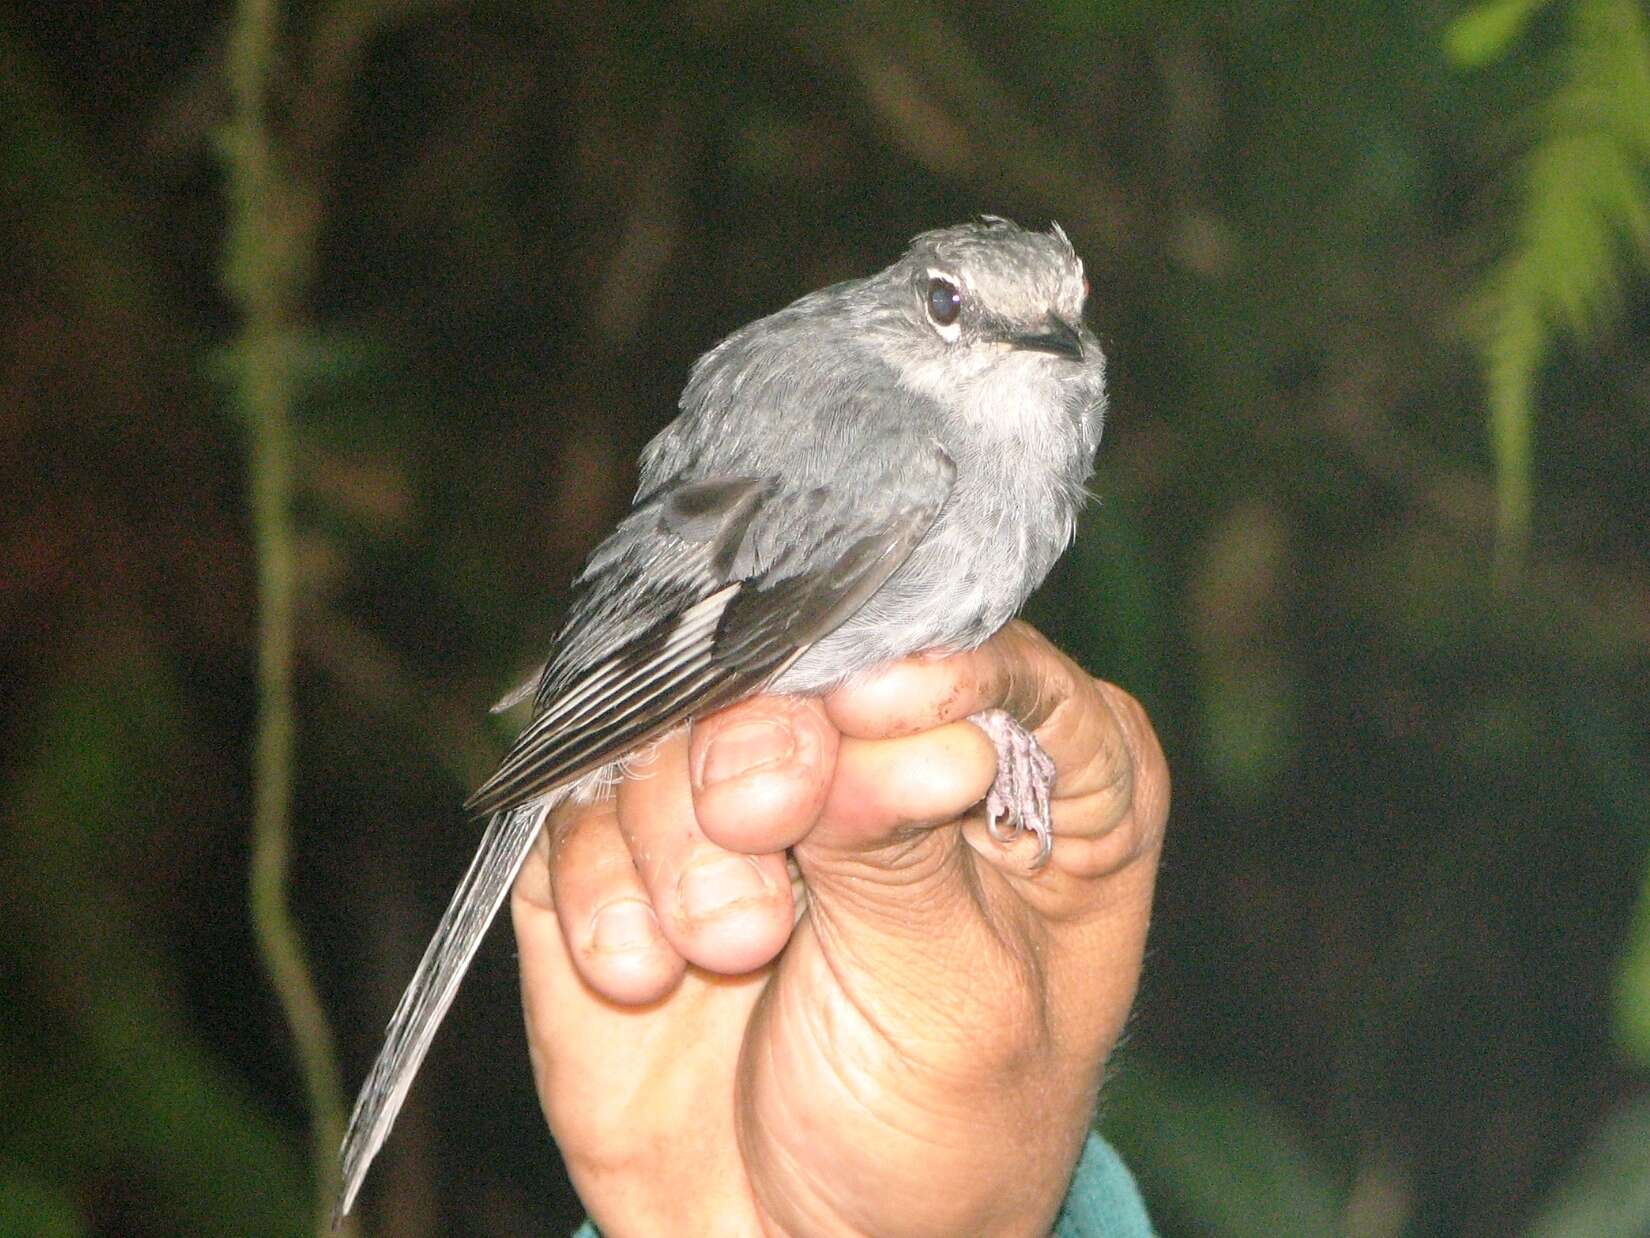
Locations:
{"points": [[944, 301]]}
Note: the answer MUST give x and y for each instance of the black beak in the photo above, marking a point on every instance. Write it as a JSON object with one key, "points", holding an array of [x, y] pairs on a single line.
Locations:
{"points": [[1058, 337]]}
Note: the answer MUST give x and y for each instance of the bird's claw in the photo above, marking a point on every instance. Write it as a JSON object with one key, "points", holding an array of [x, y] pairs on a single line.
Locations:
{"points": [[1019, 797]]}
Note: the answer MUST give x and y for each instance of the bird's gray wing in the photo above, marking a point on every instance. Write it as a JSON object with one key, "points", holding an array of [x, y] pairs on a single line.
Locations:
{"points": [[638, 577], [703, 595], [516, 695], [735, 579]]}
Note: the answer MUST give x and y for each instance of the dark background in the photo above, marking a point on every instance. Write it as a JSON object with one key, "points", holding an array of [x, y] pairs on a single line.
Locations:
{"points": [[1399, 980]]}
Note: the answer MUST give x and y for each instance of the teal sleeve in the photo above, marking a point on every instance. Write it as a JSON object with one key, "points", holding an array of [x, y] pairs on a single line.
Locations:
{"points": [[1102, 1201]]}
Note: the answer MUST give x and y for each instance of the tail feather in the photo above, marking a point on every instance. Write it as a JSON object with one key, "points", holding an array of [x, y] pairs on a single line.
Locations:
{"points": [[503, 850]]}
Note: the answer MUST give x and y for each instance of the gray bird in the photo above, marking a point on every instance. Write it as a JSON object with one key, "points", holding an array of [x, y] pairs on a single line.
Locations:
{"points": [[889, 465]]}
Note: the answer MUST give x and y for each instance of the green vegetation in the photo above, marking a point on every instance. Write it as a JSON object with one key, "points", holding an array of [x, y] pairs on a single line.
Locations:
{"points": [[331, 331]]}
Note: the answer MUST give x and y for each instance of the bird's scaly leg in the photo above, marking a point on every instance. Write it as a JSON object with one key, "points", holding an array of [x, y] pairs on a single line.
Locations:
{"points": [[1019, 798]]}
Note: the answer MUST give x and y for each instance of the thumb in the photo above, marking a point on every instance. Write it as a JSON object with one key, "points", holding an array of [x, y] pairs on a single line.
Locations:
{"points": [[892, 879]]}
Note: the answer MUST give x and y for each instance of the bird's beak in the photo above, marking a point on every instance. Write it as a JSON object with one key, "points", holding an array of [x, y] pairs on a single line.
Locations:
{"points": [[1058, 337]]}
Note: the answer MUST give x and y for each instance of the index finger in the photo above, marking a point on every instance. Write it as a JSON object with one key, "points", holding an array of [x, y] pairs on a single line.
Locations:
{"points": [[1018, 670]]}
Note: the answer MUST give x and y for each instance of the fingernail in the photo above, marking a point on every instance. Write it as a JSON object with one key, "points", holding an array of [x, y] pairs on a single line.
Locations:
{"points": [[710, 887], [743, 748], [627, 924]]}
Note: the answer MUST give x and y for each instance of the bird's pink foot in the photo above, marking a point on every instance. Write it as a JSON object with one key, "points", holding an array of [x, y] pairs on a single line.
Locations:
{"points": [[1019, 798]]}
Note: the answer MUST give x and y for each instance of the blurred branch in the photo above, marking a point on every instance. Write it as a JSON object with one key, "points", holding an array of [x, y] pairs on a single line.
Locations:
{"points": [[459, 741], [189, 113], [276, 174], [653, 226], [347, 28], [1604, 605], [344, 31], [959, 123], [268, 259], [68, 207]]}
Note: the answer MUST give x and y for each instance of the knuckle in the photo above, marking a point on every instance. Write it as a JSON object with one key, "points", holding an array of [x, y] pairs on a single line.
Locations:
{"points": [[1037, 680]]}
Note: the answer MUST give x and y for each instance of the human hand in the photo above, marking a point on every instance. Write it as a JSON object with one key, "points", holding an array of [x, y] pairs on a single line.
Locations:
{"points": [[917, 1051]]}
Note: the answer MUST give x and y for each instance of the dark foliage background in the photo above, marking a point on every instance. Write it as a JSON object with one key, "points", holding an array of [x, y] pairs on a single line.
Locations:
{"points": [[1400, 974]]}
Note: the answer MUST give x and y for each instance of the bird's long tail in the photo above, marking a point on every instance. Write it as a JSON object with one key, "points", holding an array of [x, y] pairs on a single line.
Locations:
{"points": [[503, 850]]}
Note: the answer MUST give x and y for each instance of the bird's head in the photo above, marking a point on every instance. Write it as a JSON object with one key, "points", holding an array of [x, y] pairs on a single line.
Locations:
{"points": [[988, 317]]}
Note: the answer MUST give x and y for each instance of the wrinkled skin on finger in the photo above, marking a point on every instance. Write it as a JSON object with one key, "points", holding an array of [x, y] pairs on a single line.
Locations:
{"points": [[910, 1042]]}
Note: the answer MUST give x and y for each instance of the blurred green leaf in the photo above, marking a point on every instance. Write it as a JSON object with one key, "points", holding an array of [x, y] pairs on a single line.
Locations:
{"points": [[1608, 1190], [128, 1083], [1583, 192], [1103, 603], [1249, 728], [28, 1206], [1214, 1159], [1632, 988], [1484, 33], [1089, 17]]}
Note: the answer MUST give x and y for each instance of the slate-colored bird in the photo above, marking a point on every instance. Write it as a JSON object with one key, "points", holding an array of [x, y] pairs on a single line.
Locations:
{"points": [[885, 467]]}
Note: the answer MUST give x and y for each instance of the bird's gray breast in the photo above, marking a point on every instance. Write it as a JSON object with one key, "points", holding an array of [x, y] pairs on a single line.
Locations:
{"points": [[1008, 519], [1021, 457]]}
